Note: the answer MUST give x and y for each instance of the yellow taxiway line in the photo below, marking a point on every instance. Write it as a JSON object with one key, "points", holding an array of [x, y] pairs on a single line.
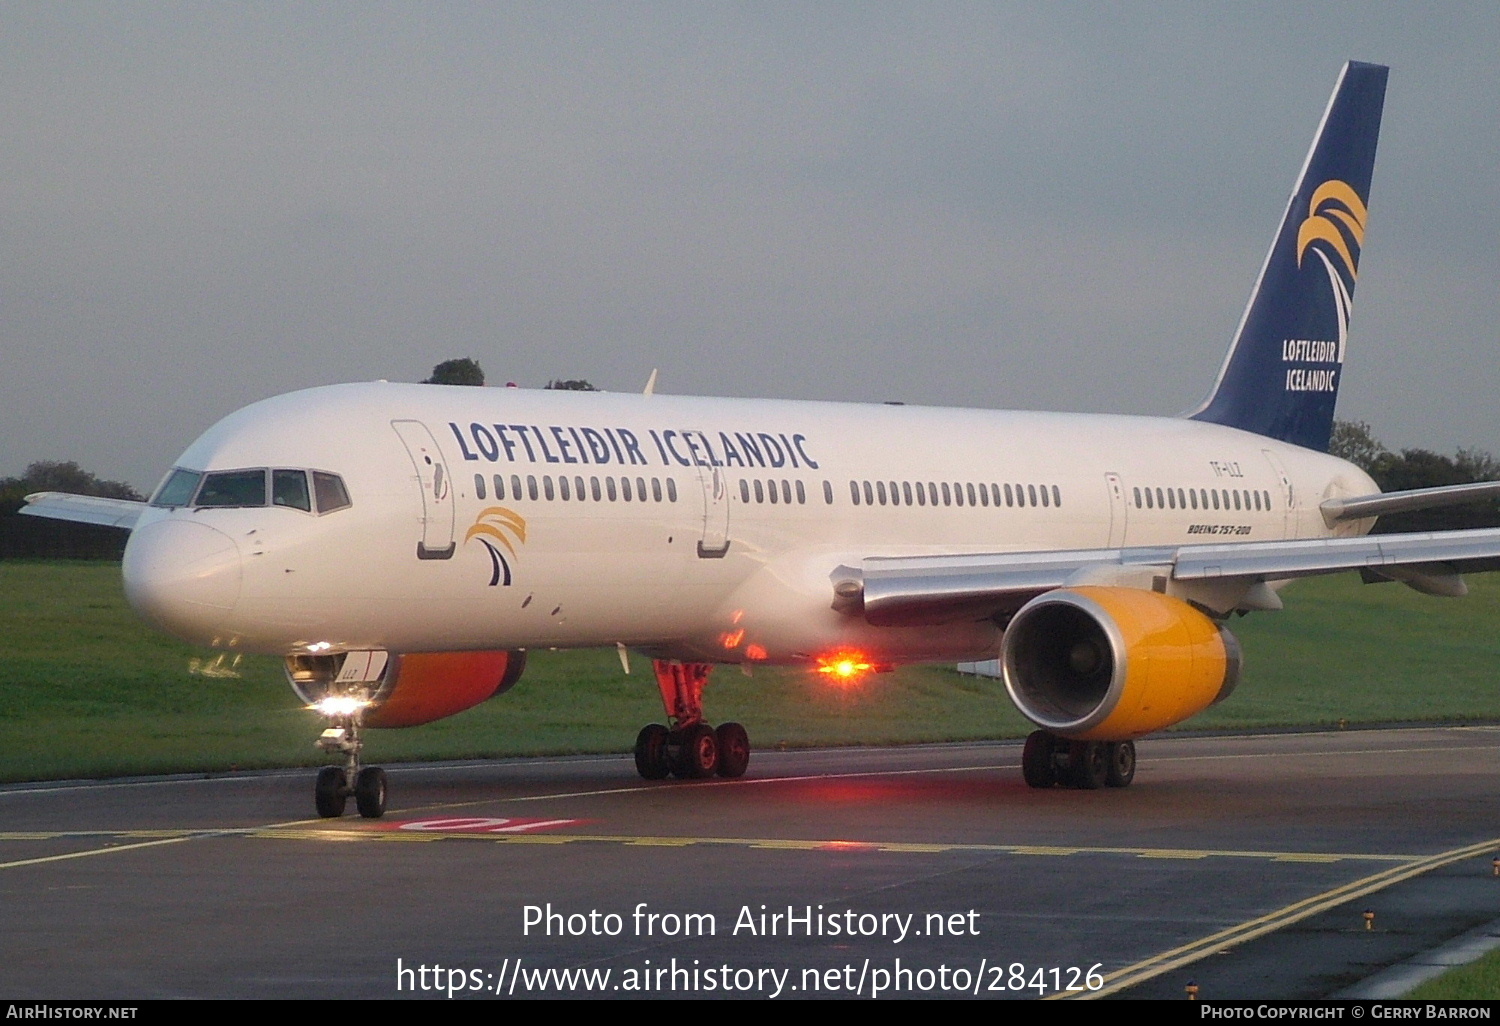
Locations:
{"points": [[302, 830], [823, 844], [1186, 954]]}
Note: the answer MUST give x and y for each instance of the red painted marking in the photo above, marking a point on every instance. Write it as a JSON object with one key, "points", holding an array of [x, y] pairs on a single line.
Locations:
{"points": [[479, 825]]}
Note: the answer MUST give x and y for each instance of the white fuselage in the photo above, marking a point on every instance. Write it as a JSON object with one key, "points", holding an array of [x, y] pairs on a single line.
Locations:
{"points": [[709, 576]]}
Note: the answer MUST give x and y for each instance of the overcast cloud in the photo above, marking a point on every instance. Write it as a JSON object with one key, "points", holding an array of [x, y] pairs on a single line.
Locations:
{"points": [[1036, 205]]}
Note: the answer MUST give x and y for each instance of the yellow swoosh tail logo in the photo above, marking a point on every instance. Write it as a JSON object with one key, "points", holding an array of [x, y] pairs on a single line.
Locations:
{"points": [[1335, 209]]}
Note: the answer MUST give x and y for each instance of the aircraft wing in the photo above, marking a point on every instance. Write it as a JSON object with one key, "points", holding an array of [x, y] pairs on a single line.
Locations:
{"points": [[83, 509], [896, 591]]}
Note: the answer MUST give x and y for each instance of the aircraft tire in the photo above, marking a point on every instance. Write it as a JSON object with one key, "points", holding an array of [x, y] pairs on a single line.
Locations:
{"points": [[369, 792], [1036, 760], [698, 753], [328, 793], [1121, 758], [734, 749], [1089, 763], [652, 760]]}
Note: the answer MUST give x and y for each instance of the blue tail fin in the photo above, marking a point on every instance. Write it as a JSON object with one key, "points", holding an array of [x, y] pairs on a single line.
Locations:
{"points": [[1281, 377]]}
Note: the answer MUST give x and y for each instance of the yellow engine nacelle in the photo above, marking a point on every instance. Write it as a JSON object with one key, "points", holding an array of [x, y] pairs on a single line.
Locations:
{"points": [[1111, 664], [414, 687]]}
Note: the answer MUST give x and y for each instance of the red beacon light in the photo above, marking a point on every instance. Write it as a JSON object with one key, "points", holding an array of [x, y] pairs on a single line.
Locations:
{"points": [[845, 667]]}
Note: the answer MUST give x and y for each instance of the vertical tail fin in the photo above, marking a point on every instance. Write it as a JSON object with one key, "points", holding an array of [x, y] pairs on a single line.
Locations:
{"points": [[1281, 376]]}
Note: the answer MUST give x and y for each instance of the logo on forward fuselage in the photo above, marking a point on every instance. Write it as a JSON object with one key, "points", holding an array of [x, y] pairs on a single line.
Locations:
{"points": [[498, 528]]}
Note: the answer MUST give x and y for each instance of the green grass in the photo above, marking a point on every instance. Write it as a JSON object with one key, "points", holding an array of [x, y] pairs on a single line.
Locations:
{"points": [[1479, 980], [86, 690]]}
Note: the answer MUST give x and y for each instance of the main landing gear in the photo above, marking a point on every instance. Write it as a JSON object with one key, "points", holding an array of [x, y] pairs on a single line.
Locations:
{"points": [[1048, 759], [335, 784], [689, 748]]}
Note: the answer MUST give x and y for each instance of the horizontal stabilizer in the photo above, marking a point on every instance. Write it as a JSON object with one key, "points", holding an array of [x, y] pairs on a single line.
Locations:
{"points": [[83, 509], [1382, 503]]}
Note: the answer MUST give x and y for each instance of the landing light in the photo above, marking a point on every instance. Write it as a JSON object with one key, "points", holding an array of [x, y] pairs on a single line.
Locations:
{"points": [[339, 705]]}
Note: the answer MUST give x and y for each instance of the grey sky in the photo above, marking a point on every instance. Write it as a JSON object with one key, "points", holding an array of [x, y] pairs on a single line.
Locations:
{"points": [[1035, 205]]}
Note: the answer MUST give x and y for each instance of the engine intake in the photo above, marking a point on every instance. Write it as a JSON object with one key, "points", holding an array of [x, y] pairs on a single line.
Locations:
{"points": [[1111, 664]]}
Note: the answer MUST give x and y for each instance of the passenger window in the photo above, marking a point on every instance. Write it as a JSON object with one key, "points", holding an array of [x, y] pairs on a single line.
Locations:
{"points": [[289, 488], [1031, 495], [828, 492], [1149, 503], [895, 494], [854, 491], [1137, 498], [562, 489], [1171, 499], [594, 489], [547, 486], [1193, 497], [578, 488], [640, 488], [1008, 496], [760, 492], [531, 486], [880, 491], [786, 491], [671, 490], [1045, 496], [984, 496], [801, 495], [771, 492], [921, 494], [499, 486], [958, 494], [869, 494], [656, 489], [234, 488], [515, 486], [625, 488], [329, 490], [1056, 496], [947, 494], [609, 488], [1236, 495]]}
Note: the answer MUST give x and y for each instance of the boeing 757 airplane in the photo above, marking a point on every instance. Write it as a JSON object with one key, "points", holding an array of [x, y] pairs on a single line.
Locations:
{"points": [[403, 546]]}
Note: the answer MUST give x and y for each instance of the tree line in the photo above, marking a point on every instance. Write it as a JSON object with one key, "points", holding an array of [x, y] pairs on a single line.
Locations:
{"points": [[1354, 441]]}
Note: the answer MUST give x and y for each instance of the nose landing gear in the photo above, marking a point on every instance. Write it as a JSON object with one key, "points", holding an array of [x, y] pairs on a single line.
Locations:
{"points": [[1048, 759], [335, 784], [689, 748]]}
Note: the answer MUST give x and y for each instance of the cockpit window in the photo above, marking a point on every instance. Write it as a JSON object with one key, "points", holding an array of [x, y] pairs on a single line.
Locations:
{"points": [[289, 488], [177, 489], [233, 488], [330, 491]]}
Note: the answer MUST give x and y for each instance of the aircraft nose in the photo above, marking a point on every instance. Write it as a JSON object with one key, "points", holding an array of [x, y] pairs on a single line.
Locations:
{"points": [[182, 577]]}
